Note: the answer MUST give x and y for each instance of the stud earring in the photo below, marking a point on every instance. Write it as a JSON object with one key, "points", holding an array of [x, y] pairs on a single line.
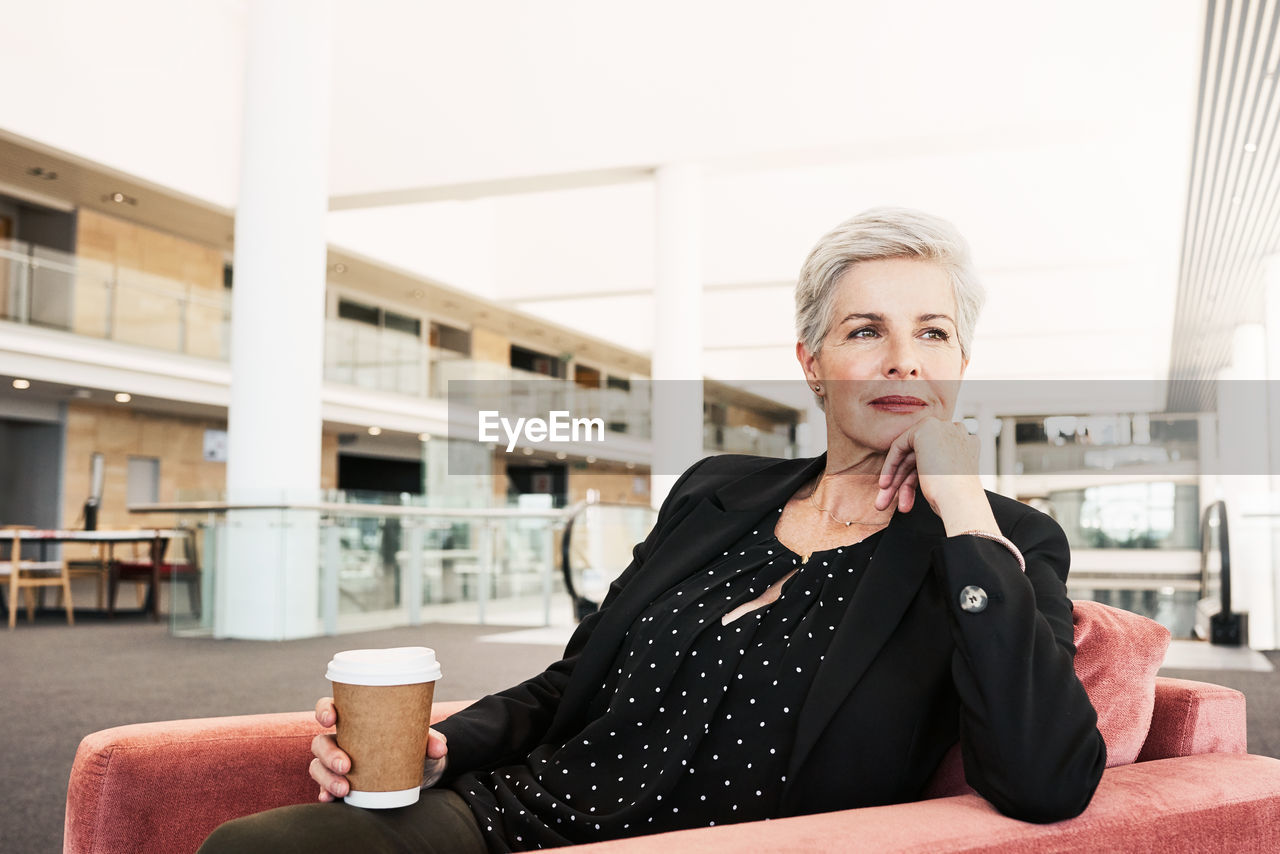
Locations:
{"points": [[818, 389]]}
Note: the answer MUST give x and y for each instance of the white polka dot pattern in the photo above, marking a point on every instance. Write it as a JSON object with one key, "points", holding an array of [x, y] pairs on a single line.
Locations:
{"points": [[693, 724]]}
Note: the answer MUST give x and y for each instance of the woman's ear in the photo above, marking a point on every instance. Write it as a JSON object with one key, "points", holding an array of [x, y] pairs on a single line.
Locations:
{"points": [[808, 363]]}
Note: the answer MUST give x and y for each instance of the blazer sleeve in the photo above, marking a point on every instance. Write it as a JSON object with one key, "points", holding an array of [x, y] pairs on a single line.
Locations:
{"points": [[1028, 733], [504, 727]]}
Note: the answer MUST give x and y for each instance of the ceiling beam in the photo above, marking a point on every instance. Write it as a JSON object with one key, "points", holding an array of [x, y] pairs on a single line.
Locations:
{"points": [[511, 186]]}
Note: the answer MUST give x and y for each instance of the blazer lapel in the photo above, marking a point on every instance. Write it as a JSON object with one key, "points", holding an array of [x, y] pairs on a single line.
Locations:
{"points": [[720, 519], [897, 569], [713, 524]]}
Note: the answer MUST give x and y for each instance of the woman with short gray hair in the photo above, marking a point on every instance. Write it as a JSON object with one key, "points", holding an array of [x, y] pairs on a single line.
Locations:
{"points": [[793, 636]]}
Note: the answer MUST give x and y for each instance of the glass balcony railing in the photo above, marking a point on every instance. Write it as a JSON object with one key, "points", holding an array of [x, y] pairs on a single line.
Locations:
{"points": [[746, 439], [358, 566], [57, 290]]}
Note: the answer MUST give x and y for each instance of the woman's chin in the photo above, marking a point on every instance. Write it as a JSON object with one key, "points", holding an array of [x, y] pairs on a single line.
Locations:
{"points": [[877, 443], [879, 436]]}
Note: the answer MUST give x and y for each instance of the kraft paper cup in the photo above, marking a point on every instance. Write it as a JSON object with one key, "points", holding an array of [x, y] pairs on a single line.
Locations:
{"points": [[383, 700]]}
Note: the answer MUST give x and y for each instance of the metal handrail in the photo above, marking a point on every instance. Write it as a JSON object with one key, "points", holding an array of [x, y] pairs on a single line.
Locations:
{"points": [[340, 509], [1225, 627], [1218, 510], [582, 606]]}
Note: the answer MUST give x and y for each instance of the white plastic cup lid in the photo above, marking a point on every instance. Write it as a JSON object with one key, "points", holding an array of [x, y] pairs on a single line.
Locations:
{"points": [[404, 665]]}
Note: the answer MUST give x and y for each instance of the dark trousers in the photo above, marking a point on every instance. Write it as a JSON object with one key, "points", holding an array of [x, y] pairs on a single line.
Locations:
{"points": [[439, 823]]}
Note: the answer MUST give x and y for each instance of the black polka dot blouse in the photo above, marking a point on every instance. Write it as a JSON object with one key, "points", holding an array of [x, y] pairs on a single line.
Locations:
{"points": [[694, 724]]}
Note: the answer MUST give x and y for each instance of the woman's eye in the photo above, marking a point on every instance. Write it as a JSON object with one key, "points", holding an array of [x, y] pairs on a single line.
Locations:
{"points": [[938, 334], [864, 332]]}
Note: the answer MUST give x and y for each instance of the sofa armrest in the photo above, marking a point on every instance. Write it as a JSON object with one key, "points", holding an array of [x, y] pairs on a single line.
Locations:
{"points": [[164, 787], [1188, 805], [1191, 718]]}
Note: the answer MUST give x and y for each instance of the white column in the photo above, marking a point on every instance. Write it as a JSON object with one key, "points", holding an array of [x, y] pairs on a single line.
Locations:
{"points": [[987, 423], [1007, 470], [1272, 321], [1242, 459], [677, 327], [268, 586]]}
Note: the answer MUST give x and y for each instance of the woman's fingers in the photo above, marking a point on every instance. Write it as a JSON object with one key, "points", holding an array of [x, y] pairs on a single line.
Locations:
{"points": [[905, 471], [329, 757], [329, 766], [907, 492], [895, 458], [895, 474], [437, 745], [326, 714], [331, 785], [437, 758]]}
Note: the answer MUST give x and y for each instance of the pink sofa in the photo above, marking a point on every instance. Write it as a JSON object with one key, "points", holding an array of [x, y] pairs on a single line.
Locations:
{"points": [[1178, 778]]}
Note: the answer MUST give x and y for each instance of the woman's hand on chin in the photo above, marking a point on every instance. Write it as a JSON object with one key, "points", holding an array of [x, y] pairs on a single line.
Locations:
{"points": [[940, 460]]}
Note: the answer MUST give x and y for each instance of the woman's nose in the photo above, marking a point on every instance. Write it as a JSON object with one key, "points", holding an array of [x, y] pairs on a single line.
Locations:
{"points": [[901, 360]]}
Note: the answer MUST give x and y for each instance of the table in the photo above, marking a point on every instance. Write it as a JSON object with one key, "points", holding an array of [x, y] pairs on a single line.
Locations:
{"points": [[157, 537]]}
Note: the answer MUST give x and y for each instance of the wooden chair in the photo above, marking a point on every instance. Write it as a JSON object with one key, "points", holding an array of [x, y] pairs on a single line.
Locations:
{"points": [[28, 576], [98, 567], [138, 570]]}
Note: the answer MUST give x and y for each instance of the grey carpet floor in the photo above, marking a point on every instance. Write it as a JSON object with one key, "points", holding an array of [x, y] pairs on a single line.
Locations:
{"points": [[61, 683]]}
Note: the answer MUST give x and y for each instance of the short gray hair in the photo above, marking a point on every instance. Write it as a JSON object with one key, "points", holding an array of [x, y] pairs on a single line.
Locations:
{"points": [[878, 234]]}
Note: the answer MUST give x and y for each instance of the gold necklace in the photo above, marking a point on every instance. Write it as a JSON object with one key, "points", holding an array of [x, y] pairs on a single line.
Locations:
{"points": [[833, 516]]}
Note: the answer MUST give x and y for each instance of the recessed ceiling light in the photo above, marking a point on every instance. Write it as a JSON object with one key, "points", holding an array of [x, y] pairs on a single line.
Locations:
{"points": [[339, 268], [424, 437], [82, 394], [419, 293], [1250, 147], [528, 452], [631, 465], [560, 455], [591, 459], [375, 431], [20, 384], [123, 397]]}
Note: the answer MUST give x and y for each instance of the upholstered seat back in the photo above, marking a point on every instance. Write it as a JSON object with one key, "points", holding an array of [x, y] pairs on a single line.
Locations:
{"points": [[1117, 656]]}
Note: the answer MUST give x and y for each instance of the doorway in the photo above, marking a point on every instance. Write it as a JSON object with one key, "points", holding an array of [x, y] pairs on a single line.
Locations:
{"points": [[30, 473]]}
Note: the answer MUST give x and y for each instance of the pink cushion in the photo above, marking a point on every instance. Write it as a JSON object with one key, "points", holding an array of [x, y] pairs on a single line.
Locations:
{"points": [[1117, 656]]}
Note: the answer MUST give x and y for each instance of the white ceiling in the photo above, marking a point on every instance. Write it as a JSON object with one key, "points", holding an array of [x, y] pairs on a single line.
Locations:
{"points": [[1057, 136]]}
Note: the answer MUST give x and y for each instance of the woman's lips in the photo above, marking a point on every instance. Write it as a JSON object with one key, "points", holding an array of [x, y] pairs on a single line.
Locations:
{"points": [[898, 403]]}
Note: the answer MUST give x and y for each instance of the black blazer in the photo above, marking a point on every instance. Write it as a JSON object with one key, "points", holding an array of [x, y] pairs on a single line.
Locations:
{"points": [[908, 673]]}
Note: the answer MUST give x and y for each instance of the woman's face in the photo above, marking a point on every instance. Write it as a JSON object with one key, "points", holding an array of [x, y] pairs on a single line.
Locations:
{"points": [[891, 355]]}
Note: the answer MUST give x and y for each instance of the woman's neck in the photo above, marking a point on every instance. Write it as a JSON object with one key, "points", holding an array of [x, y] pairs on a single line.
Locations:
{"points": [[848, 487]]}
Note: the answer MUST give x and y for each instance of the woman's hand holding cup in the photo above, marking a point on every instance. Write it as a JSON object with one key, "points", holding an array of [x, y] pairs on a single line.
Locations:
{"points": [[331, 764]]}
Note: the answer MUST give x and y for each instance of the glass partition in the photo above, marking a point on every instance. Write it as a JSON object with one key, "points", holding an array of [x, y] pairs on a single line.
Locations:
{"points": [[335, 566], [1105, 443], [59, 290], [1152, 515]]}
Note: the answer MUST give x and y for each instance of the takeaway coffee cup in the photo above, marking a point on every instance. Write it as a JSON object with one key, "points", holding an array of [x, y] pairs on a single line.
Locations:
{"points": [[383, 700]]}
